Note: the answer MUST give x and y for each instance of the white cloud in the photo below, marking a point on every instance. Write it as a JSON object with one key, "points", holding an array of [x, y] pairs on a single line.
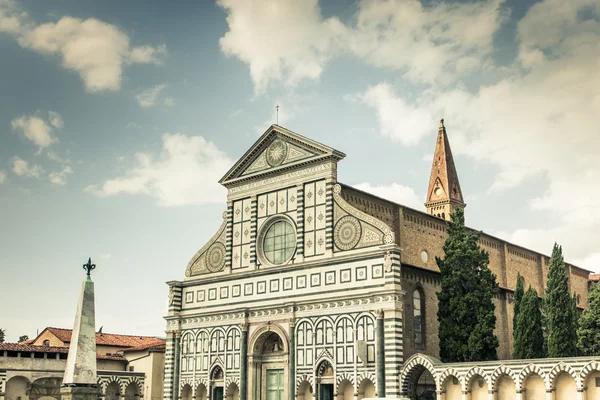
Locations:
{"points": [[55, 120], [35, 129], [60, 177], [398, 120], [394, 192], [186, 172], [95, 49], [23, 168], [2, 176], [148, 97], [541, 122], [169, 101], [12, 19], [296, 52], [428, 43]]}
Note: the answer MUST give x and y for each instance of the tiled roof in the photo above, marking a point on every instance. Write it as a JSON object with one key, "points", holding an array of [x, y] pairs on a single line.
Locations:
{"points": [[595, 277], [158, 345], [108, 339], [51, 349]]}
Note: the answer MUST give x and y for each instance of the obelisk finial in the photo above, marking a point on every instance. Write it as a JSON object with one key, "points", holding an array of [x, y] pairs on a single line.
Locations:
{"points": [[89, 266], [442, 123]]}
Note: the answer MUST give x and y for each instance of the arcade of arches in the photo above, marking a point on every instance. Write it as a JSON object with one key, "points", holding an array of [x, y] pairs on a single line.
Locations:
{"points": [[19, 387], [425, 378]]}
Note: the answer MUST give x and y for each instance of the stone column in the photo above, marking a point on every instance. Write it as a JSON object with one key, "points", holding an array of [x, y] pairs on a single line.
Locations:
{"points": [[465, 395], [518, 394], [549, 394], [80, 381], [292, 359], [177, 363], [580, 394], [244, 363], [380, 355]]}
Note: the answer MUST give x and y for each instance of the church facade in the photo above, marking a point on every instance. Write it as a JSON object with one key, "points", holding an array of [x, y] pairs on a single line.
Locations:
{"points": [[311, 289]]}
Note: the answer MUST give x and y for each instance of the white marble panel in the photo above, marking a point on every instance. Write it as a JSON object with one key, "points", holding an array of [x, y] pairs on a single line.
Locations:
{"points": [[246, 210], [246, 236], [262, 205], [237, 211], [272, 204], [320, 217], [309, 244], [309, 194], [246, 255], [320, 242], [282, 201], [236, 257], [237, 234], [309, 219], [292, 195], [320, 192]]}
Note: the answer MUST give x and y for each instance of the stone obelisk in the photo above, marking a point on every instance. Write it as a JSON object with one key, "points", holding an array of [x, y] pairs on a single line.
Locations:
{"points": [[80, 381]]}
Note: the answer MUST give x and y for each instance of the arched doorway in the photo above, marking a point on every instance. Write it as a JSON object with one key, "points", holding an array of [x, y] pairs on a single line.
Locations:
{"points": [[217, 383], [233, 392], [425, 386], [366, 389], [132, 392], [186, 392], [269, 364], [45, 388], [305, 391], [325, 381], [113, 391], [16, 387], [201, 392]]}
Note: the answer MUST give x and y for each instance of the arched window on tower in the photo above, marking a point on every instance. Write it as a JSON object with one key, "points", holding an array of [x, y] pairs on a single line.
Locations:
{"points": [[418, 307]]}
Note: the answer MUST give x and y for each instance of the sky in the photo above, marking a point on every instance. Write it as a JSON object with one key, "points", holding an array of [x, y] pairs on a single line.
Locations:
{"points": [[117, 119]]}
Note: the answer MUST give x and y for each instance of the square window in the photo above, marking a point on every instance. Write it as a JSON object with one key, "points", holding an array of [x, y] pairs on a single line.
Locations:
{"points": [[212, 294], [315, 280], [200, 295], [274, 285], [330, 278], [377, 271], [248, 289], [288, 283], [345, 275], [224, 292], [261, 287], [301, 282], [361, 273], [235, 291], [189, 297]]}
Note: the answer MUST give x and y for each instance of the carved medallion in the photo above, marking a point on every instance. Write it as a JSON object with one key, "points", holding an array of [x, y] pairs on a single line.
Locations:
{"points": [[215, 257], [276, 153], [347, 232]]}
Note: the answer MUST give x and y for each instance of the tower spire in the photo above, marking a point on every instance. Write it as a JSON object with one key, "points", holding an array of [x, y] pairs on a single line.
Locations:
{"points": [[444, 195]]}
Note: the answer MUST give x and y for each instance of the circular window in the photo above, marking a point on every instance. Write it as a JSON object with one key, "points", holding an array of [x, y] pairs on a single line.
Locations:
{"points": [[278, 242], [424, 256]]}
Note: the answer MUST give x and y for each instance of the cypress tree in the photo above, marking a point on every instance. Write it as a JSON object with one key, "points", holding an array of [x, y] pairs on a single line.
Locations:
{"points": [[528, 331], [518, 295], [588, 332], [560, 310], [466, 309]]}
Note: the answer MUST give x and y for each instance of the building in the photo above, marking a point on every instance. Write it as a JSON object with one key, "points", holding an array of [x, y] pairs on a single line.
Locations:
{"points": [[129, 367], [312, 289]]}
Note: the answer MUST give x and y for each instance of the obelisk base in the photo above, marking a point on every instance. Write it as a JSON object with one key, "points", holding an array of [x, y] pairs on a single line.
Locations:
{"points": [[80, 392]]}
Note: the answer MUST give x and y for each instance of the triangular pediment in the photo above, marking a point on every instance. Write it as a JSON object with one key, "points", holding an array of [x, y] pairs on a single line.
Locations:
{"points": [[278, 149]]}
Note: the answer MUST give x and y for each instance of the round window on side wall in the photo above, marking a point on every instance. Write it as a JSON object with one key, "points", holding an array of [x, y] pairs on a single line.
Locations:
{"points": [[424, 257], [277, 241]]}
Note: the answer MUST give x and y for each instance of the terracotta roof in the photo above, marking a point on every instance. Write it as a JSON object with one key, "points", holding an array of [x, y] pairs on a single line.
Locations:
{"points": [[108, 339], [52, 349], [595, 277], [158, 345]]}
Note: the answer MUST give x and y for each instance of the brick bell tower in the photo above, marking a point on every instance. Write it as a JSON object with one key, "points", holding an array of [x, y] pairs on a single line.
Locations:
{"points": [[444, 195]]}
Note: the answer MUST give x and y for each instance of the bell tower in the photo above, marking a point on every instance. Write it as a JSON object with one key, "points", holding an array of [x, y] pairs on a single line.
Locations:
{"points": [[444, 195]]}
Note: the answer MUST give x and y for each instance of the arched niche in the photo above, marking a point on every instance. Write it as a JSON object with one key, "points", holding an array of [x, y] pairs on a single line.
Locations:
{"points": [[366, 389]]}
